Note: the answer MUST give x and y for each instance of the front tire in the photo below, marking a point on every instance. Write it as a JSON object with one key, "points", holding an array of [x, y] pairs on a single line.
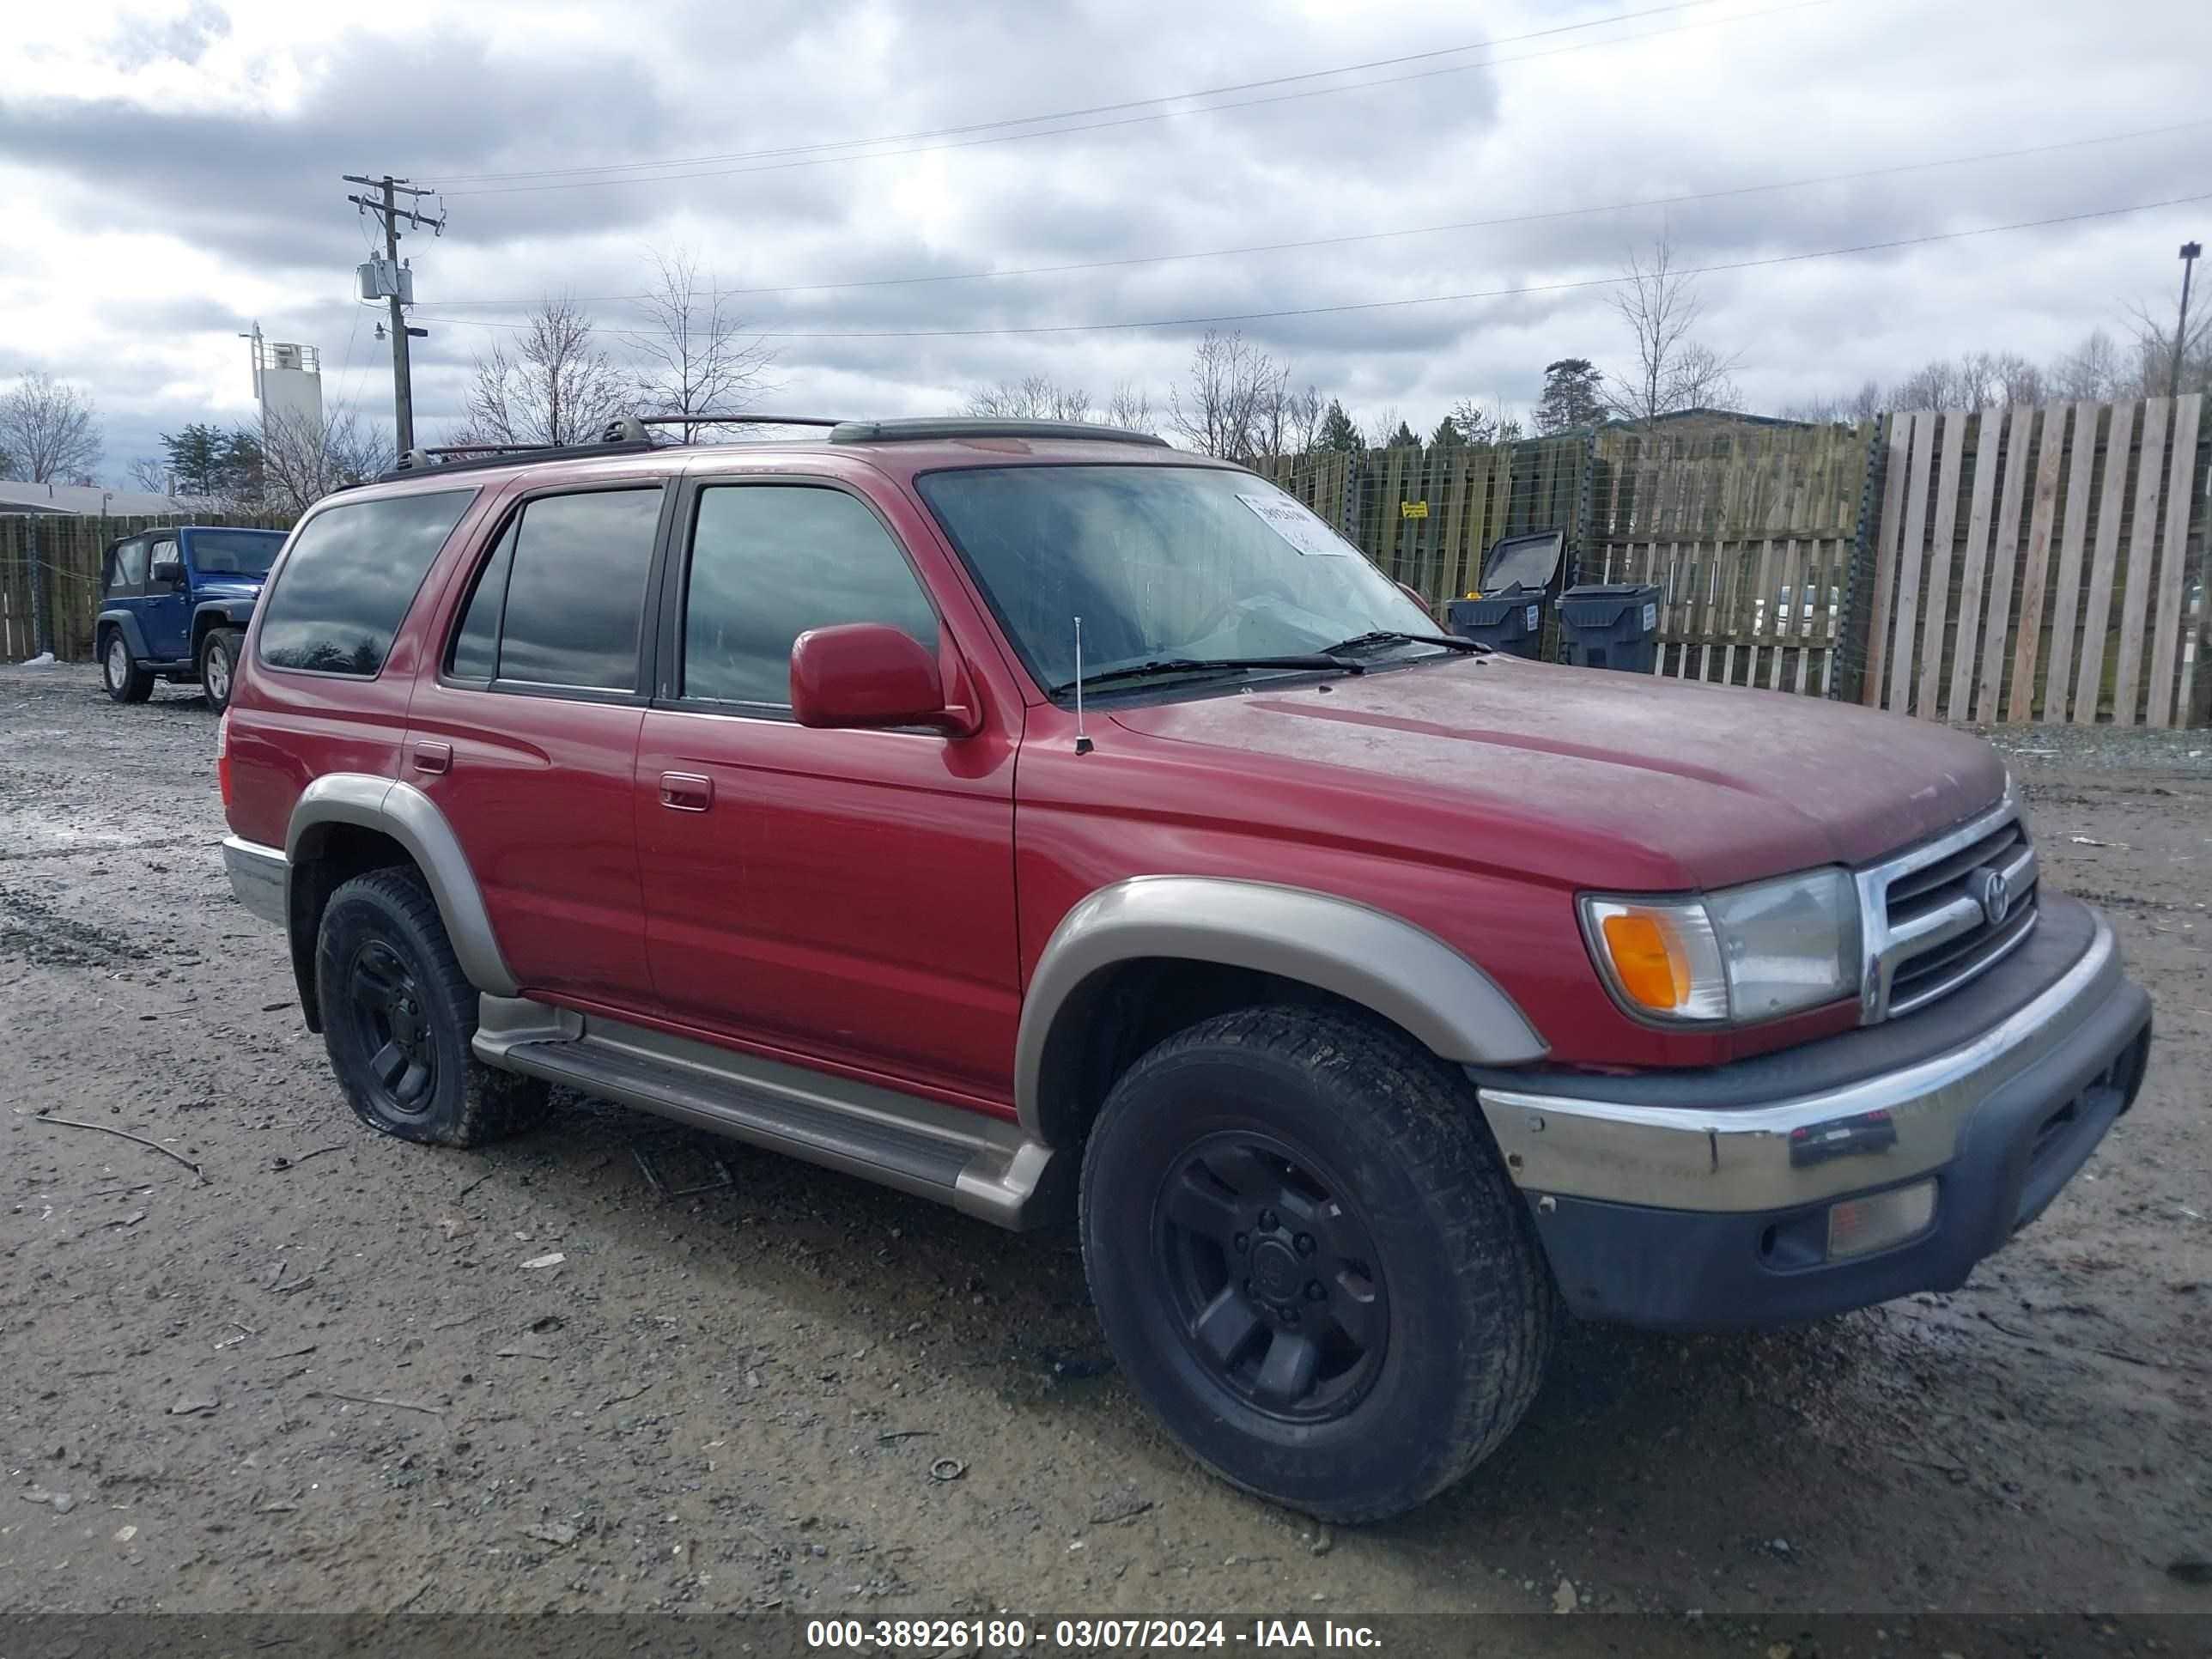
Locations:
{"points": [[219, 666], [1309, 1262], [398, 1015], [126, 680]]}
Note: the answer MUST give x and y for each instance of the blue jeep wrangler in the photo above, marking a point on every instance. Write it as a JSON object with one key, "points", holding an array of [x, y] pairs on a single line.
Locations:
{"points": [[175, 603]]}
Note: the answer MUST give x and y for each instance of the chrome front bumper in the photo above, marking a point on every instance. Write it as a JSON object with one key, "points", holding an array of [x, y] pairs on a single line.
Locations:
{"points": [[1873, 1132], [259, 876]]}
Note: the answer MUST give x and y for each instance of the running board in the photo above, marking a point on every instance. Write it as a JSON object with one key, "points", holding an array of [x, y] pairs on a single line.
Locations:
{"points": [[982, 1166]]}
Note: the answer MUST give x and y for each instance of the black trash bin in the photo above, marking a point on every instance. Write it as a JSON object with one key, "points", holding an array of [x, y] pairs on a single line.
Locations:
{"points": [[1520, 574], [1611, 625], [1511, 621]]}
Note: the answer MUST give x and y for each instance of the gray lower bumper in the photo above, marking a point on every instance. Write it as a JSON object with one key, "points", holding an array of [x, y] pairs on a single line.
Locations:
{"points": [[258, 875], [1872, 1132]]}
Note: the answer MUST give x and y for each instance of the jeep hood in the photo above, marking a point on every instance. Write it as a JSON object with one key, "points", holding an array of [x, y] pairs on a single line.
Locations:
{"points": [[227, 587], [1702, 785]]}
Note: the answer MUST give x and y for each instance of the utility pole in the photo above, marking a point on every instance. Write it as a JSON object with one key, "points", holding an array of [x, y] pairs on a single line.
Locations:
{"points": [[2189, 252], [396, 290]]}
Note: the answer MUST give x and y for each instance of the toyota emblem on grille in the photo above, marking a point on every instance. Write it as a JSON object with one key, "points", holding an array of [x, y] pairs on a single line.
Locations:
{"points": [[1994, 894]]}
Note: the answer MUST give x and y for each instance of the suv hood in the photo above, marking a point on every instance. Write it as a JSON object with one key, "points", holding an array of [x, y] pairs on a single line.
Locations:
{"points": [[227, 587], [1699, 786]]}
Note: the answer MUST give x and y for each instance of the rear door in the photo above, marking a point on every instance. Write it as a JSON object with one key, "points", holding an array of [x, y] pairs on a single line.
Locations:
{"points": [[845, 897], [165, 613], [526, 736]]}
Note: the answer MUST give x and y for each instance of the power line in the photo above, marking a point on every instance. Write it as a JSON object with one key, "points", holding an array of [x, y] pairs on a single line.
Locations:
{"points": [[1427, 299], [1075, 114], [1544, 215], [1129, 120]]}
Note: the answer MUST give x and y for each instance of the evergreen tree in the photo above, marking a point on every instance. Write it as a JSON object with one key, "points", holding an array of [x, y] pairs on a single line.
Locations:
{"points": [[1339, 432], [1573, 396], [1404, 438], [1446, 434]]}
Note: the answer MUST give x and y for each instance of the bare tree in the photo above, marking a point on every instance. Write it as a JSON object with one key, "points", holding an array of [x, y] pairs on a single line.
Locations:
{"points": [[303, 459], [2096, 368], [1222, 406], [151, 474], [1289, 422], [1033, 397], [1130, 408], [2153, 341], [697, 355], [1673, 371], [50, 430], [557, 387]]}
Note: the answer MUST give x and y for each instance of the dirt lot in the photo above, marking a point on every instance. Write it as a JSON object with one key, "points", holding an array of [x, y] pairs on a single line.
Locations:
{"points": [[737, 1400]]}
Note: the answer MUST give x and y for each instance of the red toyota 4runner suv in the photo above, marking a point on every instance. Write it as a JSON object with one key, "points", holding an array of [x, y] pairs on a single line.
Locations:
{"points": [[1016, 813]]}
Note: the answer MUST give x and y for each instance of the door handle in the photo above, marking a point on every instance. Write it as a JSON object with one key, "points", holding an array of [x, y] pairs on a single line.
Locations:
{"points": [[433, 756], [686, 791]]}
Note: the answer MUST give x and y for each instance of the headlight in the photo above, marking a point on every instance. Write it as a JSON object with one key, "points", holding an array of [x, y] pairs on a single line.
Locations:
{"points": [[1747, 954]]}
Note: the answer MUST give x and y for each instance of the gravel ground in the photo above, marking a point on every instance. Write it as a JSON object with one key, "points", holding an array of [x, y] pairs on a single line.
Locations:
{"points": [[343, 1372]]}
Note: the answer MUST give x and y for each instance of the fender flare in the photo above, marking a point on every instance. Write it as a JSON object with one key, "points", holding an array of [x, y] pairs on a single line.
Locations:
{"points": [[210, 614], [1381, 962], [133, 635], [410, 817]]}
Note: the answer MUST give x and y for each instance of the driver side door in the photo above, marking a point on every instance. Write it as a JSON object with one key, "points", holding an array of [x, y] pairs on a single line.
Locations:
{"points": [[165, 614]]}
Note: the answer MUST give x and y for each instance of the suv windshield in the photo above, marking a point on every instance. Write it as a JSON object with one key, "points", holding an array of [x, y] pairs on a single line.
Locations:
{"points": [[1161, 564], [234, 552]]}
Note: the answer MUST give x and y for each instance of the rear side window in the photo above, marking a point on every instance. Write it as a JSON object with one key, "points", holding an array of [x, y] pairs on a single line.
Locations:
{"points": [[769, 561], [561, 599], [127, 573], [353, 572]]}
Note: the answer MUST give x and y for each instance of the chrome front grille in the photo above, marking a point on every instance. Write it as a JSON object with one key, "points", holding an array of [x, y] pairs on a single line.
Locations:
{"points": [[1946, 911]]}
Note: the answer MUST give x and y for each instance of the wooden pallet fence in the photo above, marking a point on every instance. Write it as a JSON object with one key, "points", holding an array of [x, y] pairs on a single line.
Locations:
{"points": [[2036, 563], [1747, 535], [1465, 497], [64, 554]]}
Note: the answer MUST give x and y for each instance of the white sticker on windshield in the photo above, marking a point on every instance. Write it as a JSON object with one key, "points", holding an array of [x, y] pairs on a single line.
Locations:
{"points": [[1296, 525]]}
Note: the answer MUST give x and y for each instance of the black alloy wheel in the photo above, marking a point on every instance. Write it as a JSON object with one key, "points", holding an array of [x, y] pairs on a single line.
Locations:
{"points": [[1274, 1275], [392, 1024]]}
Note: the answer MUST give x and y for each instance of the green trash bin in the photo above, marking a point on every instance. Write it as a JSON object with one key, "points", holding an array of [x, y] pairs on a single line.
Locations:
{"points": [[1611, 625]]}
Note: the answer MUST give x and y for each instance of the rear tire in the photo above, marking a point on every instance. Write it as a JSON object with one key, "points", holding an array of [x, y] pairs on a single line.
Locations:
{"points": [[219, 666], [126, 680], [1309, 1260], [398, 1015]]}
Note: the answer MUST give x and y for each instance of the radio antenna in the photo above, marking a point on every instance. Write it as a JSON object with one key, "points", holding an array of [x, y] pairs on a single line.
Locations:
{"points": [[1082, 742]]}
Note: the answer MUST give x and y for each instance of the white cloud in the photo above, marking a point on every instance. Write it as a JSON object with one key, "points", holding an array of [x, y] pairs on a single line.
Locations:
{"points": [[174, 172]]}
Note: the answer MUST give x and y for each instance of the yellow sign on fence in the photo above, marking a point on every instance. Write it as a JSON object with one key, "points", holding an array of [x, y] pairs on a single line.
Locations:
{"points": [[1413, 510]]}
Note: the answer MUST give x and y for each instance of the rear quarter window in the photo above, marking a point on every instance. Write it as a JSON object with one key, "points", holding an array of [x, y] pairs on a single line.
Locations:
{"points": [[353, 571]]}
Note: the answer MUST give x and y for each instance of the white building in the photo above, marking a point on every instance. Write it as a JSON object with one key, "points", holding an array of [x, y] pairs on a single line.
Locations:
{"points": [[288, 383]]}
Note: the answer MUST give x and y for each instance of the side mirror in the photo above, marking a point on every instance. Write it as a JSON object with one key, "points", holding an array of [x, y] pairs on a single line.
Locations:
{"points": [[870, 675], [171, 571], [1414, 594]]}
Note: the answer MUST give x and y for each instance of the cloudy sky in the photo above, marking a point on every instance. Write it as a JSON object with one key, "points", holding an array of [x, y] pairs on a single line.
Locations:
{"points": [[171, 172]]}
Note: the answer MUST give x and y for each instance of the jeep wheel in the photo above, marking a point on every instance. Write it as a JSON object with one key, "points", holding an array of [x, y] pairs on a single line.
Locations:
{"points": [[1309, 1262], [219, 666], [398, 1017], [126, 681]]}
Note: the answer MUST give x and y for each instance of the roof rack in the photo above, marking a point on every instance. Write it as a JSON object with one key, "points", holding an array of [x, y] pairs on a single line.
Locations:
{"points": [[885, 432], [731, 420], [472, 457], [627, 435]]}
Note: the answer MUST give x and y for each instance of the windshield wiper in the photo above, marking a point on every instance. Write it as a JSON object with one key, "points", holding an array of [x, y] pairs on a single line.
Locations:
{"points": [[1391, 636], [1166, 665]]}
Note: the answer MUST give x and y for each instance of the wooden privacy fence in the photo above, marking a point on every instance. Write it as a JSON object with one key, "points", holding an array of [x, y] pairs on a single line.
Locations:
{"points": [[62, 554], [2042, 563], [1749, 536], [1425, 516]]}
